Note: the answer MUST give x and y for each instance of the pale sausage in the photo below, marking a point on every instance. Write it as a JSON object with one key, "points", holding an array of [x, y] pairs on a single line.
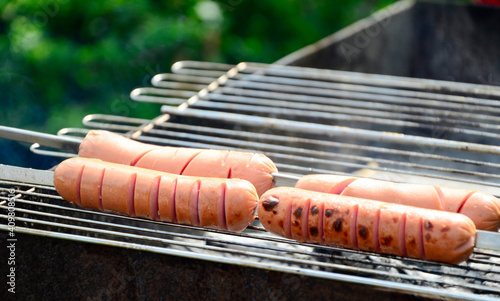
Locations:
{"points": [[483, 209], [111, 147], [227, 204], [368, 225]]}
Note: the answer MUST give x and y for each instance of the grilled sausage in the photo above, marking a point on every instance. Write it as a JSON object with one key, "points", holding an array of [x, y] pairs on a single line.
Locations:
{"points": [[115, 148], [483, 209], [227, 204], [368, 225]]}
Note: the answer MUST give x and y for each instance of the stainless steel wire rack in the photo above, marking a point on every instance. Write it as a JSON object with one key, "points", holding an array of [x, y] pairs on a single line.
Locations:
{"points": [[307, 121]]}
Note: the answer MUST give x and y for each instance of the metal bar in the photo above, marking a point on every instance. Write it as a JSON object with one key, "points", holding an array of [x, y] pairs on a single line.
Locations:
{"points": [[331, 130], [375, 80], [232, 251], [328, 118], [395, 286], [282, 91], [201, 65], [252, 245], [204, 69], [179, 81], [245, 235], [139, 229], [278, 151], [58, 142], [26, 175], [31, 185], [276, 239], [488, 240], [435, 98], [259, 136], [310, 103], [240, 134], [333, 105], [29, 193], [35, 148], [357, 108], [116, 123]]}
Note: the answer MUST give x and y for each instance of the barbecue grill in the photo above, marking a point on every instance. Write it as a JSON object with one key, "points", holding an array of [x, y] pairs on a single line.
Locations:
{"points": [[306, 120]]}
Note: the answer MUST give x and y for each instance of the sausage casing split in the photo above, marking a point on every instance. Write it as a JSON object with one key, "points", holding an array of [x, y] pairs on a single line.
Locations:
{"points": [[227, 204], [368, 225], [483, 209], [111, 147]]}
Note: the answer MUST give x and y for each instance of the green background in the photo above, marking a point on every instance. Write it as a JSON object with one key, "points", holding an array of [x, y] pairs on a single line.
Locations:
{"points": [[61, 60]]}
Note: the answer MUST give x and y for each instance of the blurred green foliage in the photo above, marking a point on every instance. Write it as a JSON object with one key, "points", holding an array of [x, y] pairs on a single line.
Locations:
{"points": [[61, 60]]}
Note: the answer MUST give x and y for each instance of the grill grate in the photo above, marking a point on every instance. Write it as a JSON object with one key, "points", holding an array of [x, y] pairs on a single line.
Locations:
{"points": [[40, 211], [306, 121]]}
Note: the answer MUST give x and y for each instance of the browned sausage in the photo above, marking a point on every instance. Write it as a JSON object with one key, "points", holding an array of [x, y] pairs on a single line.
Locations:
{"points": [[368, 225], [227, 204], [111, 147], [483, 209]]}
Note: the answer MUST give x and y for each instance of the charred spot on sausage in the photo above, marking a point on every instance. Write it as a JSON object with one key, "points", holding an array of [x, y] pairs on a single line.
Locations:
{"points": [[386, 240], [428, 225], [428, 236], [445, 229], [280, 223], [313, 231], [328, 212], [275, 212], [337, 225], [270, 202], [363, 231], [314, 210], [296, 223], [298, 212], [395, 219], [347, 211]]}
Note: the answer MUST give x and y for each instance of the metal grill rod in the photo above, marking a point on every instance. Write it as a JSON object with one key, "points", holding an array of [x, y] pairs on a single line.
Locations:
{"points": [[173, 234], [290, 139], [472, 286], [346, 90], [181, 82], [342, 105], [64, 217], [394, 286], [305, 159], [330, 130], [246, 86], [269, 102], [223, 249], [248, 253], [93, 222], [376, 79], [90, 121], [360, 91], [328, 117], [64, 143], [275, 151], [196, 68]]}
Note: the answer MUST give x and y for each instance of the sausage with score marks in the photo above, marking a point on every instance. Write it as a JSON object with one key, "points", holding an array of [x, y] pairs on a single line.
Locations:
{"points": [[368, 225], [227, 204], [483, 209], [111, 147]]}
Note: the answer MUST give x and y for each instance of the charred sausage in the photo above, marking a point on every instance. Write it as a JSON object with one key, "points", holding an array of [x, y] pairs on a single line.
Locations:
{"points": [[227, 204], [111, 147], [483, 209], [368, 225]]}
